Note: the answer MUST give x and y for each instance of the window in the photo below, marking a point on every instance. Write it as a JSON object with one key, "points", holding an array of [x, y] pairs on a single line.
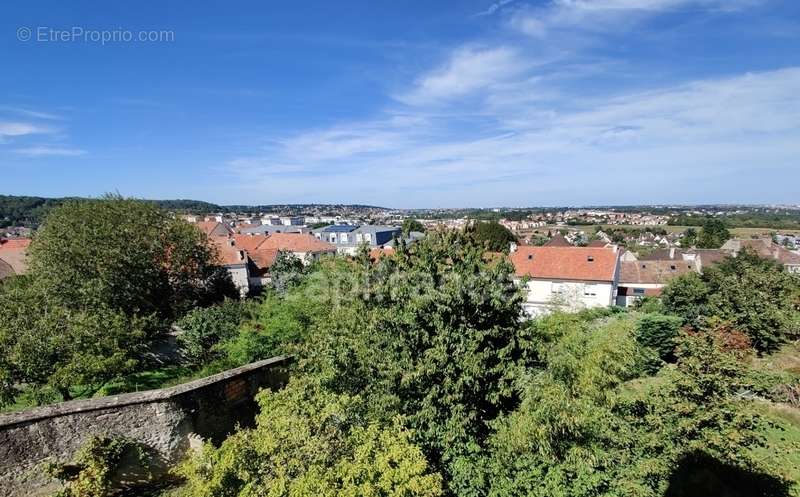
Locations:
{"points": [[367, 238], [344, 237], [590, 290], [638, 291]]}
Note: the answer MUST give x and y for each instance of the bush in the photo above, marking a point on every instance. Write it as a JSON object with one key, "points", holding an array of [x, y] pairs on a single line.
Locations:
{"points": [[90, 475], [205, 328], [659, 331]]}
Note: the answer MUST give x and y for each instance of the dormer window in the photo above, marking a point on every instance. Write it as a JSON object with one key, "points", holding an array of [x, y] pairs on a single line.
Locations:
{"points": [[590, 258], [530, 257]]}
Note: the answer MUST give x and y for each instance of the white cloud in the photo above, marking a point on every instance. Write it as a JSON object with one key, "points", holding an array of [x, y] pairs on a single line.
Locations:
{"points": [[603, 15], [677, 137], [11, 129], [467, 70], [47, 151], [30, 113]]}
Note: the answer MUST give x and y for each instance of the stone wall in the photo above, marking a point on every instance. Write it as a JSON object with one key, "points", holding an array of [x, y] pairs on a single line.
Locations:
{"points": [[163, 422]]}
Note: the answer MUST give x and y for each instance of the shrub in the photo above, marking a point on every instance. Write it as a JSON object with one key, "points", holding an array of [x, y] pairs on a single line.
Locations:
{"points": [[204, 328]]}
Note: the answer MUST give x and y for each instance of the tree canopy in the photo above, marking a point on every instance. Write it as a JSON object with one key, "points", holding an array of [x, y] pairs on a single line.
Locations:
{"points": [[491, 236]]}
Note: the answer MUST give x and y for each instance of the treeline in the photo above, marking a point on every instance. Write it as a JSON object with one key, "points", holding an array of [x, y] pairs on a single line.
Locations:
{"points": [[30, 211], [774, 220]]}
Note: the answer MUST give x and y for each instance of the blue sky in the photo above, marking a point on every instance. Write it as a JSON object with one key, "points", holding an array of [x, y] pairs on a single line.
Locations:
{"points": [[405, 104]]}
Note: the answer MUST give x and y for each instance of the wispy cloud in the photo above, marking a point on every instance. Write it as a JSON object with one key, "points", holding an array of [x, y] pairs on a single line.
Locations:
{"points": [[604, 15], [47, 151], [30, 113], [11, 129], [467, 70], [494, 8], [679, 135]]}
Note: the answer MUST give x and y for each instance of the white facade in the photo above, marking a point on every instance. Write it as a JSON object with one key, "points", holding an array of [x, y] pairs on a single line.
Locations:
{"points": [[545, 295], [240, 278]]}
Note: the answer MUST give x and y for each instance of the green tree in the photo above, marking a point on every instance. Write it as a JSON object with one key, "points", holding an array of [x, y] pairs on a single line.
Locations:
{"points": [[491, 236], [757, 297], [687, 296], [754, 294], [286, 271], [126, 255], [203, 329], [58, 347], [433, 336], [658, 332], [713, 234], [689, 238], [412, 224], [582, 430]]}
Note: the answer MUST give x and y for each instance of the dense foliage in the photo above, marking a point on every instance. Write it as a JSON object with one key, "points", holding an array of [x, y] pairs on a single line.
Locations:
{"points": [[755, 295], [106, 277], [491, 236], [416, 376], [712, 234], [412, 224]]}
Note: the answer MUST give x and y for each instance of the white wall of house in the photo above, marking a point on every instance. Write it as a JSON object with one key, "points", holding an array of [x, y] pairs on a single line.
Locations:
{"points": [[544, 296], [240, 278]]}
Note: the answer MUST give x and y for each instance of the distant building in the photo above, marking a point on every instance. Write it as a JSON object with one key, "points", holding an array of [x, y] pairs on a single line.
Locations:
{"points": [[767, 249], [214, 228], [348, 238], [569, 278]]}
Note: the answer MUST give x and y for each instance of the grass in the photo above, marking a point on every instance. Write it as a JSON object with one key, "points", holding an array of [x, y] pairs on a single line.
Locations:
{"points": [[163, 377], [782, 449]]}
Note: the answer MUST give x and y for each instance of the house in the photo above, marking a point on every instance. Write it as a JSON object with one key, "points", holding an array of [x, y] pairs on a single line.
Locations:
{"points": [[268, 229], [235, 260], [348, 238], [643, 278], [767, 249], [569, 278], [305, 247], [558, 240], [214, 228], [13, 256]]}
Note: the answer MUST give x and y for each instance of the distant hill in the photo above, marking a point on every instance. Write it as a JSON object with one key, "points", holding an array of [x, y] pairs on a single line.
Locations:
{"points": [[29, 211]]}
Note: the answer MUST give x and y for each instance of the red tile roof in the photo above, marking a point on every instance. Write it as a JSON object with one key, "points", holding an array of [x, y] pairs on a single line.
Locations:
{"points": [[263, 259], [296, 242], [566, 263], [14, 256], [558, 240], [14, 243], [378, 252], [249, 242], [229, 254], [208, 227]]}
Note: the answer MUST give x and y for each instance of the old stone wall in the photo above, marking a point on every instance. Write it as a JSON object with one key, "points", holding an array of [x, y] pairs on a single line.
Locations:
{"points": [[162, 421]]}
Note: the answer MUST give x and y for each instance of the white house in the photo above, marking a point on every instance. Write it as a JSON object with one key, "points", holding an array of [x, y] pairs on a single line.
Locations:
{"points": [[569, 278]]}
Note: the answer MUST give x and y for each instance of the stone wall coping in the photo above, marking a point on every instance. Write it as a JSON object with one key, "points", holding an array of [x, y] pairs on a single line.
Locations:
{"points": [[125, 399]]}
